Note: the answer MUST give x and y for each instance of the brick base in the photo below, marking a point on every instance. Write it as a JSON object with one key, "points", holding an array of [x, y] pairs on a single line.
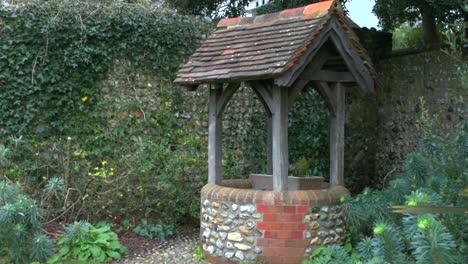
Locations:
{"points": [[246, 224]]}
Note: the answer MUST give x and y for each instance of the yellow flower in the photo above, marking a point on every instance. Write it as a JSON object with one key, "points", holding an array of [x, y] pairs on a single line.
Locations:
{"points": [[84, 99], [379, 229], [423, 223]]}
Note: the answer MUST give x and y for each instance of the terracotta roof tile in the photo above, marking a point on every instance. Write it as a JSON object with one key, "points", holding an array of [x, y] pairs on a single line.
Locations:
{"points": [[244, 48]]}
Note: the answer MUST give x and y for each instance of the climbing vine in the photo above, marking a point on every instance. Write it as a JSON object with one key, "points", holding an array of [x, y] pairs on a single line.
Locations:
{"points": [[55, 55]]}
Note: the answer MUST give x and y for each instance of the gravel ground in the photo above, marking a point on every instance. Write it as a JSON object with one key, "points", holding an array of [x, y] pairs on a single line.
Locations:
{"points": [[178, 250]]}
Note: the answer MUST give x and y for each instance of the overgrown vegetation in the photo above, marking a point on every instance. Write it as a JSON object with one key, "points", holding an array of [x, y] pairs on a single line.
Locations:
{"points": [[429, 230], [62, 126], [82, 147]]}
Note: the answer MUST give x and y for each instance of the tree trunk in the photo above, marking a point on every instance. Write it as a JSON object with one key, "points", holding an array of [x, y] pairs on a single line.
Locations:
{"points": [[431, 35]]}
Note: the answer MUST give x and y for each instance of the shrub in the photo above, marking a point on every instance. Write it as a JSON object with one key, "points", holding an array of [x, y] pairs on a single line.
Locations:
{"points": [[87, 244], [329, 255], [432, 184], [149, 230], [21, 238]]}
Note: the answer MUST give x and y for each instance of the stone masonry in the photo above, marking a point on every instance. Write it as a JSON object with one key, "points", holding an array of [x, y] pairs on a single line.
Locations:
{"points": [[251, 225]]}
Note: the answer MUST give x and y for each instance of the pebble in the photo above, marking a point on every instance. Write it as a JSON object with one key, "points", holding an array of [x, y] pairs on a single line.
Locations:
{"points": [[235, 236], [178, 250], [239, 255]]}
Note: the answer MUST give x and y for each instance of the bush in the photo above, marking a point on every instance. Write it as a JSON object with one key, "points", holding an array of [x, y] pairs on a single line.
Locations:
{"points": [[432, 185], [148, 229], [21, 238], [87, 244]]}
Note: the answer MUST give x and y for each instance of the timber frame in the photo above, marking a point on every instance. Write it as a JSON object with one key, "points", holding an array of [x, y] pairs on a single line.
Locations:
{"points": [[331, 62]]}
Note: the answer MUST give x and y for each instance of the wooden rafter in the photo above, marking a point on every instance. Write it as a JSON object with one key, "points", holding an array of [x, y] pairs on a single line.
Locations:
{"points": [[343, 45]]}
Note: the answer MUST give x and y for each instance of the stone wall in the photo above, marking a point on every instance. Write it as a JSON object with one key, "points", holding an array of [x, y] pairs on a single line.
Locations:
{"points": [[433, 78], [381, 129], [245, 224]]}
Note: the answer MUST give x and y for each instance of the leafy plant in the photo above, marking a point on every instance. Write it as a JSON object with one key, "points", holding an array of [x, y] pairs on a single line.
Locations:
{"points": [[21, 237], [408, 36], [302, 167], [200, 254], [150, 230], [125, 225], [329, 255], [84, 243]]}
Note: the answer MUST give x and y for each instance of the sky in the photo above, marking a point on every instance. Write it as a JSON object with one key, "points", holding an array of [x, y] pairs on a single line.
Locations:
{"points": [[360, 12]]}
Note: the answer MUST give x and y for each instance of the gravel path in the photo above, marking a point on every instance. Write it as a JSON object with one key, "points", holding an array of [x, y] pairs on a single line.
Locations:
{"points": [[178, 250]]}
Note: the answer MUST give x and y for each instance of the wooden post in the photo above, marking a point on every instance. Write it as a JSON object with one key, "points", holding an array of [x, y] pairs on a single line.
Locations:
{"points": [[337, 126], [280, 138], [269, 146], [215, 153]]}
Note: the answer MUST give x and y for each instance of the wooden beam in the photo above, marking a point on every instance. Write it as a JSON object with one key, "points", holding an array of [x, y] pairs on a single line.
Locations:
{"points": [[280, 138], [327, 95], [337, 126], [295, 90], [226, 95], [215, 153], [320, 59], [329, 76], [351, 58], [265, 93], [293, 74]]}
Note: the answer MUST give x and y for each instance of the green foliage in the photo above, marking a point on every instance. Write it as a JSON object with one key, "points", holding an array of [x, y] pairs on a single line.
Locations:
{"points": [[435, 175], [125, 225], [408, 36], [308, 133], [22, 240], [210, 8], [387, 245], [302, 167], [393, 13], [149, 230], [83, 243], [329, 255], [430, 241], [60, 51], [199, 254], [84, 147]]}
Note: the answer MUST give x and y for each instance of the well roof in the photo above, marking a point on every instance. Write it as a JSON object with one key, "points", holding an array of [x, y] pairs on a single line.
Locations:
{"points": [[263, 47]]}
